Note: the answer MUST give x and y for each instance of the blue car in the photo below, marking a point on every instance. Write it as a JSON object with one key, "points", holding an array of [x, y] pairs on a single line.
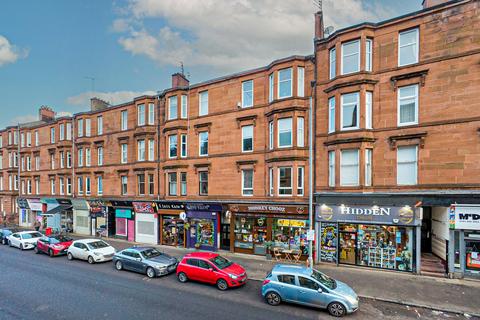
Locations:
{"points": [[4, 233], [146, 260], [298, 284]]}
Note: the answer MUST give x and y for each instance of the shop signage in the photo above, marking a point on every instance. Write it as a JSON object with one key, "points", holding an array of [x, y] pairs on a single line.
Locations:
{"points": [[22, 203], [464, 217], [376, 214], [144, 207], [96, 206], [35, 204], [80, 204], [64, 201], [203, 207], [269, 208], [291, 223], [170, 206], [123, 213], [121, 203]]}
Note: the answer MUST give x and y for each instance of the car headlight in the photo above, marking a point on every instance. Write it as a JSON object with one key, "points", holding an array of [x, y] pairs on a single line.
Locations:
{"points": [[352, 300], [233, 276], [98, 254]]}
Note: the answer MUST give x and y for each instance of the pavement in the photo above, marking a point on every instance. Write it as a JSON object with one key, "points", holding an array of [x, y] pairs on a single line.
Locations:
{"points": [[458, 296], [35, 287]]}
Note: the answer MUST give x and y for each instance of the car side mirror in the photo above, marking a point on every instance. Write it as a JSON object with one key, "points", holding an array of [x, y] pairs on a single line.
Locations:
{"points": [[320, 290], [138, 259], [210, 269]]}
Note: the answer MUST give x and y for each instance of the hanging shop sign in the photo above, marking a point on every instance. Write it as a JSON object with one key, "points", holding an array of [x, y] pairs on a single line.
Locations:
{"points": [[144, 207], [375, 214], [268, 208], [464, 217]]}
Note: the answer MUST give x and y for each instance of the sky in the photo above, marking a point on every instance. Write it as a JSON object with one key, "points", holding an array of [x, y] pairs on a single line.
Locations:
{"points": [[50, 50]]}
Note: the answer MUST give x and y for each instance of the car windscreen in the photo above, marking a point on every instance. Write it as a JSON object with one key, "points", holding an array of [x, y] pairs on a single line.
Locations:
{"points": [[31, 235], [324, 279], [58, 239], [151, 253], [221, 262], [97, 245]]}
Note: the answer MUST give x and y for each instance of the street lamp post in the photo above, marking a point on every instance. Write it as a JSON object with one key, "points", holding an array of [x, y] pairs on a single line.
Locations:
{"points": [[310, 180]]}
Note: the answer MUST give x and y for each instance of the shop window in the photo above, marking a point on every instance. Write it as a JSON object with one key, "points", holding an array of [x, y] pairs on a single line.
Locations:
{"points": [[350, 111], [247, 94], [407, 165], [247, 182], [204, 232], [172, 107], [251, 233], [285, 181], [121, 226], [349, 168], [472, 255], [183, 183], [173, 233], [247, 138], [408, 47], [172, 146], [203, 183], [351, 57], [408, 105], [285, 132], [290, 234], [285, 83], [172, 184], [141, 184]]}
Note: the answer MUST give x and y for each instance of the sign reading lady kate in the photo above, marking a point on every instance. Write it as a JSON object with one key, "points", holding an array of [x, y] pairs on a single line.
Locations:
{"points": [[375, 214]]}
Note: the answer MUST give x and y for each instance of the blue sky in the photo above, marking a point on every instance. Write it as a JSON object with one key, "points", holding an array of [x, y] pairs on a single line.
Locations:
{"points": [[48, 47]]}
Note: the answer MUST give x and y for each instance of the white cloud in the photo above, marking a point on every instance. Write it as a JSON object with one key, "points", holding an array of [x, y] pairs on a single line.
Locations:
{"points": [[231, 35], [23, 119], [10, 53], [116, 97]]}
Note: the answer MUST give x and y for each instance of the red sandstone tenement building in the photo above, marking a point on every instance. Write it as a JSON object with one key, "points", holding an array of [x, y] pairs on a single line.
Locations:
{"points": [[224, 163]]}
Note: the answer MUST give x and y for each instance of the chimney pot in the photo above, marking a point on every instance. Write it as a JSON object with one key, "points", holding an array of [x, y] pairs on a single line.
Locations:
{"points": [[179, 80], [45, 113]]}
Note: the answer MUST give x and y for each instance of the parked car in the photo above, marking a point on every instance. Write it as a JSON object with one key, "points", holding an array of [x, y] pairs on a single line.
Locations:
{"points": [[211, 268], [146, 260], [92, 250], [4, 233], [24, 239], [53, 245], [298, 284]]}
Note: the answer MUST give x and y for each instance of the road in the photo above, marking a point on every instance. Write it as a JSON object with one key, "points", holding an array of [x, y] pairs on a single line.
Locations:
{"points": [[39, 287]]}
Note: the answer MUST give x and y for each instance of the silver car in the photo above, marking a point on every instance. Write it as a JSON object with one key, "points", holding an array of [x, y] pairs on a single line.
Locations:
{"points": [[146, 260]]}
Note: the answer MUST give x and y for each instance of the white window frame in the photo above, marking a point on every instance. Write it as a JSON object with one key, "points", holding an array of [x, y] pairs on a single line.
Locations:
{"points": [[29, 139], [342, 181], [203, 108], [52, 135], [331, 168], [271, 90], [52, 186], [244, 189], [141, 115], [80, 128], [99, 125], [68, 133], [124, 153], [244, 92], [271, 135], [332, 56], [88, 127], [52, 161], [124, 120], [151, 114], [172, 184], [22, 139], [281, 81], [124, 183], [200, 134], [300, 81], [61, 185], [183, 184], [416, 43], [172, 107], [399, 99], [368, 110], [37, 186], [368, 167], [141, 150], [279, 188], [151, 150], [358, 53], [88, 186], [184, 106], [300, 186], [331, 114], [183, 142], [368, 54], [62, 132], [88, 157], [300, 132], [271, 187], [416, 166], [245, 135], [62, 159], [100, 156], [37, 140], [99, 185], [172, 140], [280, 130], [69, 186], [358, 111], [69, 159]]}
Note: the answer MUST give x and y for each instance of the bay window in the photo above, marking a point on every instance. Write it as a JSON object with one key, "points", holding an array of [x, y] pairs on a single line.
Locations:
{"points": [[351, 57], [285, 181], [172, 184], [172, 107], [333, 63], [284, 132], [172, 146], [331, 115], [285, 83], [141, 115], [350, 111]]}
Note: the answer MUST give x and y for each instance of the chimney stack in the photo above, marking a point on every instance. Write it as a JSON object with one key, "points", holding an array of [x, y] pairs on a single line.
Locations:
{"points": [[319, 25], [46, 113], [432, 3], [179, 80], [98, 104]]}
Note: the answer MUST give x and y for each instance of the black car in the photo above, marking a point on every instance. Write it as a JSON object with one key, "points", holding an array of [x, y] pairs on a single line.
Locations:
{"points": [[4, 233]]}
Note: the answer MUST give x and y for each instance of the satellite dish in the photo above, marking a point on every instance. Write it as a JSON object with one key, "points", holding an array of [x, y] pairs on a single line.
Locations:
{"points": [[328, 31]]}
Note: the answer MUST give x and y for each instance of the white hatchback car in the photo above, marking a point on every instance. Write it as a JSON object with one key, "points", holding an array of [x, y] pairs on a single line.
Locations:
{"points": [[24, 239], [92, 250]]}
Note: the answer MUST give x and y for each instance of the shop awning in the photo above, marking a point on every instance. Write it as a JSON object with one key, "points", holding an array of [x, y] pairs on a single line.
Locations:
{"points": [[57, 209]]}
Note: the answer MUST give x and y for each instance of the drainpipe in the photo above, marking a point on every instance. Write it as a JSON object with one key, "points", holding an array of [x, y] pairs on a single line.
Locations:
{"points": [[158, 146]]}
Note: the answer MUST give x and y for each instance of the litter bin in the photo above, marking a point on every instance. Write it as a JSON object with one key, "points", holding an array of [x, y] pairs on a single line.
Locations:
{"points": [[48, 231]]}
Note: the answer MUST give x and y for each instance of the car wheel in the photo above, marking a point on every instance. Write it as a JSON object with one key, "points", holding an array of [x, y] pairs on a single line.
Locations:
{"points": [[9, 243], [50, 252], [70, 256], [91, 260], [119, 265], [35, 249], [21, 246], [182, 277], [150, 272], [273, 298], [222, 285], [336, 309]]}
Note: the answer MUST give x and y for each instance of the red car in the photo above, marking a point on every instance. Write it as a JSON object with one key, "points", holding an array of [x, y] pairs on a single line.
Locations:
{"points": [[211, 268], [53, 245]]}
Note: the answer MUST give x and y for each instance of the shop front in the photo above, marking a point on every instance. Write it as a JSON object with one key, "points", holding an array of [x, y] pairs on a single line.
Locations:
{"points": [[146, 222], [81, 216], [171, 217], [36, 208], [202, 225], [98, 221], [57, 214], [121, 220], [253, 226], [371, 236], [464, 257], [25, 216]]}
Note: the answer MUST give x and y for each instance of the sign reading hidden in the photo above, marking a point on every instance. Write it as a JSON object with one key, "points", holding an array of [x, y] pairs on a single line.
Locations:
{"points": [[376, 214]]}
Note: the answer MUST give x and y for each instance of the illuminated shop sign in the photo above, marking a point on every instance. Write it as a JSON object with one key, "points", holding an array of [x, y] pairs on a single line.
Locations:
{"points": [[344, 213]]}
